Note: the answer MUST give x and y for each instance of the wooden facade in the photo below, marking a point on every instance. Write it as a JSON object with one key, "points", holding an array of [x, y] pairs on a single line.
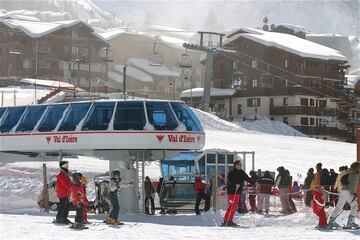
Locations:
{"points": [[72, 54]]}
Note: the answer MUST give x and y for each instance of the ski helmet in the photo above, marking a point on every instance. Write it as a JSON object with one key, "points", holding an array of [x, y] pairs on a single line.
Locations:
{"points": [[76, 177]]}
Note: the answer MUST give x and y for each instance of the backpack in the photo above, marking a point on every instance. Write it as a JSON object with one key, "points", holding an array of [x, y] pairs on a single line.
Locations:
{"points": [[345, 179]]}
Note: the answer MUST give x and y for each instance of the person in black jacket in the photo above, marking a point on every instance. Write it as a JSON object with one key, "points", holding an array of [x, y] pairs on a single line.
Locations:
{"points": [[236, 178], [266, 184], [307, 187], [149, 196]]}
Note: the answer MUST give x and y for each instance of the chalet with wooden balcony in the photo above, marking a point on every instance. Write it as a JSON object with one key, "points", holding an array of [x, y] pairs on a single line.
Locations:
{"points": [[285, 78], [67, 51]]}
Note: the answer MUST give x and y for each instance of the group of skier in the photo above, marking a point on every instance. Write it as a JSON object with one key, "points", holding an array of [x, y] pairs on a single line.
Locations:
{"points": [[316, 191], [346, 184], [77, 190]]}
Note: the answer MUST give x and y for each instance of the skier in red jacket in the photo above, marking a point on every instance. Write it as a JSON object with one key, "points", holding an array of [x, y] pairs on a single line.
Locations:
{"points": [[318, 205], [79, 200], [63, 192], [200, 189]]}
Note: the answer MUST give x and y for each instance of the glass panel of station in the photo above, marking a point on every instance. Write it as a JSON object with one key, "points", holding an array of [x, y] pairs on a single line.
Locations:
{"points": [[74, 115], [186, 116], [31, 116], [161, 116], [11, 118], [52, 116], [2, 110], [99, 117], [129, 116]]}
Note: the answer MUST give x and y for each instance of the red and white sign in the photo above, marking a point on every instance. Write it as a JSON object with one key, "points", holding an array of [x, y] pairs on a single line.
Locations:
{"points": [[61, 139]]}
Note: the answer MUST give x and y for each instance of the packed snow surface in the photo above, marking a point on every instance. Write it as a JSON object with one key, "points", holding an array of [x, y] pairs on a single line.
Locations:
{"points": [[20, 184]]}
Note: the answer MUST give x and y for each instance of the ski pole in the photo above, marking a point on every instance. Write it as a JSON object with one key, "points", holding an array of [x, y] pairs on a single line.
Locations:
{"points": [[233, 201], [342, 210]]}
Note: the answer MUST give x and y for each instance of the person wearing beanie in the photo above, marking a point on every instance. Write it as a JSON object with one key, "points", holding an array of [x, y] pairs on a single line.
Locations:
{"points": [[348, 194], [63, 192], [200, 189]]}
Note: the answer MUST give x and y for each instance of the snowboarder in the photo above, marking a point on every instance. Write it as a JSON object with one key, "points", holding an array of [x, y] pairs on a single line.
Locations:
{"points": [[318, 205], [200, 189], [79, 200], [63, 192], [266, 183], [350, 182], [114, 186], [149, 196], [235, 183], [282, 181]]}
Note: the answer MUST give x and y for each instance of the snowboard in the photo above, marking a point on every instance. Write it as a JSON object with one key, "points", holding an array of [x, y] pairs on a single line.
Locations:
{"points": [[75, 227]]}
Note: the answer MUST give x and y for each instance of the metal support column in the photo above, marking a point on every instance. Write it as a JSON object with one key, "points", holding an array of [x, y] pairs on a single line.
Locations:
{"points": [[207, 83]]}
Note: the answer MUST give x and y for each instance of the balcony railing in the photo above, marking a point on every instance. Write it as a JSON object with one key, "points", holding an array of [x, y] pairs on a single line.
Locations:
{"points": [[68, 57], [302, 110], [327, 131]]}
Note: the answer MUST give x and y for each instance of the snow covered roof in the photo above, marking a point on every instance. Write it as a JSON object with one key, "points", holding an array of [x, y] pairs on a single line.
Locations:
{"points": [[115, 76], [111, 34], [38, 29], [352, 80], [134, 73], [144, 64], [47, 83], [198, 92], [289, 43], [173, 41]]}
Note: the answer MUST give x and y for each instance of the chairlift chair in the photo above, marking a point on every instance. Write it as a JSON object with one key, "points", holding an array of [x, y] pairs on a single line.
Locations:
{"points": [[156, 59], [185, 60]]}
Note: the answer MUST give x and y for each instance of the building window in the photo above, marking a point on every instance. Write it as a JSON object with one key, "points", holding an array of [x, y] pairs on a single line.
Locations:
{"points": [[253, 102], [239, 109], [304, 102], [271, 102], [286, 120], [304, 121], [312, 121], [322, 103], [286, 83], [254, 83], [285, 63], [253, 63], [312, 102], [285, 101]]}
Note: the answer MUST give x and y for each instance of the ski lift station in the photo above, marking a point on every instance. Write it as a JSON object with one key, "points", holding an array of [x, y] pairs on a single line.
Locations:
{"points": [[128, 133]]}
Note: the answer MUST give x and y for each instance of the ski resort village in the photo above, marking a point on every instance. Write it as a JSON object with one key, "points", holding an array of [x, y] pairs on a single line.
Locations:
{"points": [[179, 119]]}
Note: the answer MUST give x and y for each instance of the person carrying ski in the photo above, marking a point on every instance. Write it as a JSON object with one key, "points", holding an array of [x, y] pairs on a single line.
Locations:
{"points": [[149, 196], [63, 192], [200, 189], [318, 205], [236, 178], [114, 186], [350, 182], [266, 183], [79, 200]]}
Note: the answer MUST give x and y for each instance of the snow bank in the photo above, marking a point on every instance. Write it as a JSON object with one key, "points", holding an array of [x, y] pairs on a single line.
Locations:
{"points": [[199, 92]]}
